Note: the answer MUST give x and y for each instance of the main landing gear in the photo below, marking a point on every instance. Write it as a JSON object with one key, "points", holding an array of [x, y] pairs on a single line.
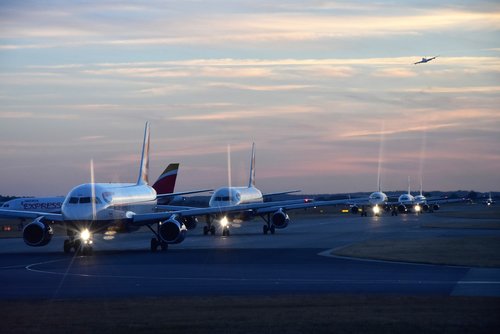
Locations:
{"points": [[268, 227], [209, 228], [157, 242]]}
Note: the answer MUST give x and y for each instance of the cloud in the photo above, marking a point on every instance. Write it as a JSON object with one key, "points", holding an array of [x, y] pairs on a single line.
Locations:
{"points": [[246, 114]]}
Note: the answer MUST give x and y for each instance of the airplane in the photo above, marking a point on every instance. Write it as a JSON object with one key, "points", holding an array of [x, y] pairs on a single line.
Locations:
{"points": [[489, 201], [377, 201], [234, 197], [164, 185], [92, 208], [425, 60]]}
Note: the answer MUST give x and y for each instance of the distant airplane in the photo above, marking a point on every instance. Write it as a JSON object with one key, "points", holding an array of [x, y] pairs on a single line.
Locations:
{"points": [[377, 201], [406, 201], [419, 203], [125, 207], [489, 201], [425, 60]]}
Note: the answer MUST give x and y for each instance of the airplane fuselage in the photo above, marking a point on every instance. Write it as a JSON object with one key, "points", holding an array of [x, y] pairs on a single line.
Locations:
{"points": [[377, 198], [235, 196], [97, 206]]}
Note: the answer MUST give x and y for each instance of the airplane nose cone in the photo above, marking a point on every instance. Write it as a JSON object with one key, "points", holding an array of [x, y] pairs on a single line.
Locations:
{"points": [[80, 213]]}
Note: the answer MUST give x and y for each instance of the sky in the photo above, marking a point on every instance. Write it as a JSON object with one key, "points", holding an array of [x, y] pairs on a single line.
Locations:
{"points": [[327, 90]]}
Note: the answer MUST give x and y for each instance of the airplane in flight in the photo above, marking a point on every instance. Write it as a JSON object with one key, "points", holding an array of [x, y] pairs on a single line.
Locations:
{"points": [[125, 207], [425, 60]]}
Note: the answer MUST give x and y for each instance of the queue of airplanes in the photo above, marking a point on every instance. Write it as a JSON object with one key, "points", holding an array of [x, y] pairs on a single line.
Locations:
{"points": [[92, 208]]}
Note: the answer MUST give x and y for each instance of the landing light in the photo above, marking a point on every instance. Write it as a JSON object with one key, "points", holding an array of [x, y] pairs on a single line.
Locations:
{"points": [[223, 222], [376, 209], [417, 208], [85, 236]]}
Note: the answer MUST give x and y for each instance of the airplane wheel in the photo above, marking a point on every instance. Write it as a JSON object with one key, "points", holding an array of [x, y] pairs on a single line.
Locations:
{"points": [[163, 246], [67, 246], [225, 232], [77, 244], [265, 228], [154, 244], [212, 230], [205, 230], [272, 229]]}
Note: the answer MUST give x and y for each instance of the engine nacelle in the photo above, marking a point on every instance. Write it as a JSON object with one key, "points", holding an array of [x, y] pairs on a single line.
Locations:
{"points": [[435, 207], [402, 208], [37, 233], [280, 219], [172, 231], [354, 209], [425, 207], [189, 222]]}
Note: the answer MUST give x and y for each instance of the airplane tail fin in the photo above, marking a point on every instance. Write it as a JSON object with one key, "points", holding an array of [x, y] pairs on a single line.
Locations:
{"points": [[251, 181], [166, 182], [144, 169]]}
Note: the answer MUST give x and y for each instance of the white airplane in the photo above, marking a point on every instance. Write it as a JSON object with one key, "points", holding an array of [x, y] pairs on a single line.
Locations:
{"points": [[164, 185], [489, 201], [406, 202], [425, 60], [420, 203], [125, 207], [234, 197], [377, 201]]}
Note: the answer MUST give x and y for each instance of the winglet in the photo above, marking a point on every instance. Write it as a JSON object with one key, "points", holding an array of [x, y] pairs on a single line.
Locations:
{"points": [[166, 182], [251, 181], [144, 169]]}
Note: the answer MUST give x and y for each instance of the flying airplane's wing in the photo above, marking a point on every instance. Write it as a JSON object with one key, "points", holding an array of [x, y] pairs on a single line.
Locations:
{"points": [[257, 208], [31, 215], [183, 193]]}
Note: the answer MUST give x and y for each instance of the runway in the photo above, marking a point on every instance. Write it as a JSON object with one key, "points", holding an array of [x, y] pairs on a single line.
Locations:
{"points": [[246, 263]]}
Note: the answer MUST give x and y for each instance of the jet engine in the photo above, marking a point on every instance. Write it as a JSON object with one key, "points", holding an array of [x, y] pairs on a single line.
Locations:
{"points": [[37, 233], [435, 207], [190, 222], [354, 209], [425, 207], [280, 219], [402, 208], [172, 231]]}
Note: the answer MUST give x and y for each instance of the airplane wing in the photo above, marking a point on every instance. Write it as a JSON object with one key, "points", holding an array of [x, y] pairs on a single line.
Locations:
{"points": [[183, 193], [445, 200], [281, 193], [31, 215], [256, 208]]}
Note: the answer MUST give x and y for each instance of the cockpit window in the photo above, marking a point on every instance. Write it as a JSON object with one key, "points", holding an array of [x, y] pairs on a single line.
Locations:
{"points": [[223, 198], [73, 200], [86, 200]]}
